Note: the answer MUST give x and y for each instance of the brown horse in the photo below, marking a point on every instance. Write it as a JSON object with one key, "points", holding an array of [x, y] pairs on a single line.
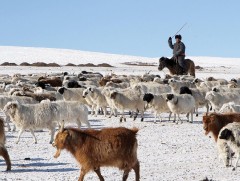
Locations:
{"points": [[174, 68]]}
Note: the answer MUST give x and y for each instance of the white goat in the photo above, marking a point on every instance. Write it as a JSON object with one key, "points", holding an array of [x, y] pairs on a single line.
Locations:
{"points": [[128, 100], [98, 99], [230, 107], [45, 115], [21, 99], [217, 99], [70, 111], [107, 93], [31, 117]]}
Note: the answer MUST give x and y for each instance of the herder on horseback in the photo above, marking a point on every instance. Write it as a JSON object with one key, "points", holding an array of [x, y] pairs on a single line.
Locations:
{"points": [[178, 53]]}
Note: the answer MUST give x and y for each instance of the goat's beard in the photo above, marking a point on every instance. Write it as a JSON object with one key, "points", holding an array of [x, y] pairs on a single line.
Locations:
{"points": [[57, 154]]}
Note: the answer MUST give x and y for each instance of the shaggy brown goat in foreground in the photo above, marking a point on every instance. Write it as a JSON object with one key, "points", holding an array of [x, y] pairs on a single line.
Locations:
{"points": [[93, 149], [3, 150]]}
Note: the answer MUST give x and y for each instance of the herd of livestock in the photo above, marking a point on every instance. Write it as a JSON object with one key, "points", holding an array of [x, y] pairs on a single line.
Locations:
{"points": [[40, 101]]}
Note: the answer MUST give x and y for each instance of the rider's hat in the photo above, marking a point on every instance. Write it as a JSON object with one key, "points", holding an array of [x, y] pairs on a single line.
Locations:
{"points": [[178, 36]]}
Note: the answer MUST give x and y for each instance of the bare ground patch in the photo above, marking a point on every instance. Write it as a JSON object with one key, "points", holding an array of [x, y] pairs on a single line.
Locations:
{"points": [[139, 64]]}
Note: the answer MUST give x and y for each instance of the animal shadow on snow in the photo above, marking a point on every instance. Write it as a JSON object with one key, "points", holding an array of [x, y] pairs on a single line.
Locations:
{"points": [[35, 166], [97, 123]]}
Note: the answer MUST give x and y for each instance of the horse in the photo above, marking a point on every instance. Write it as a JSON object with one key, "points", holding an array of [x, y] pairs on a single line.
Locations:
{"points": [[174, 68]]}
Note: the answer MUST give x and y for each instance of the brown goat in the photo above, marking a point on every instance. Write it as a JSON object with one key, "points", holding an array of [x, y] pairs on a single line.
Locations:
{"points": [[214, 122], [3, 150], [37, 97], [93, 149], [105, 80], [54, 81]]}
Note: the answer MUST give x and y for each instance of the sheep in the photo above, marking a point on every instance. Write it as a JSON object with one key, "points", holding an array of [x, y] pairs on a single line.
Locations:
{"points": [[94, 149], [8, 87], [236, 80], [233, 84], [151, 87], [122, 85], [53, 81], [128, 100], [70, 78], [90, 74], [198, 96], [71, 84], [210, 84], [225, 89], [217, 99], [32, 116], [72, 94], [39, 90], [229, 107], [107, 93], [45, 86], [160, 80], [230, 135], [147, 77], [181, 104], [98, 99], [157, 103], [176, 85], [3, 149]]}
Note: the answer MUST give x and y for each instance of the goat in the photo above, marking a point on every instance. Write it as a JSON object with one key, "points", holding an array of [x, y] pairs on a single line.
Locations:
{"points": [[3, 150], [94, 149]]}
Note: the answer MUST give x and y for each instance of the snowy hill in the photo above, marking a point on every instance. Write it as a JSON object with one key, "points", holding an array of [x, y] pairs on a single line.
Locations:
{"points": [[65, 56]]}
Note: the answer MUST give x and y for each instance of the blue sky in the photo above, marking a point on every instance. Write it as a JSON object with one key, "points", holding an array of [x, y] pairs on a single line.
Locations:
{"points": [[129, 27]]}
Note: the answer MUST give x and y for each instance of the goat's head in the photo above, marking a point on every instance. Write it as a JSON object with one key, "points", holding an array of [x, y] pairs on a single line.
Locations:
{"points": [[10, 107], [60, 140], [208, 123]]}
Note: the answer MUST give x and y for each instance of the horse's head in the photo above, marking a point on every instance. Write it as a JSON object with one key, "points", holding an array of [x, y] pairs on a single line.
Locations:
{"points": [[162, 63]]}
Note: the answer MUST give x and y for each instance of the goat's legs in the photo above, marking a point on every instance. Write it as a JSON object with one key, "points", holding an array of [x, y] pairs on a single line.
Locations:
{"points": [[19, 134], [34, 137], [82, 174], [98, 172], [4, 154], [238, 155], [136, 169]]}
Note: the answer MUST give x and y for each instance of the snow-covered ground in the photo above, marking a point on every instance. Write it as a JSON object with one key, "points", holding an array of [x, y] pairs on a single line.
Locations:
{"points": [[166, 151]]}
